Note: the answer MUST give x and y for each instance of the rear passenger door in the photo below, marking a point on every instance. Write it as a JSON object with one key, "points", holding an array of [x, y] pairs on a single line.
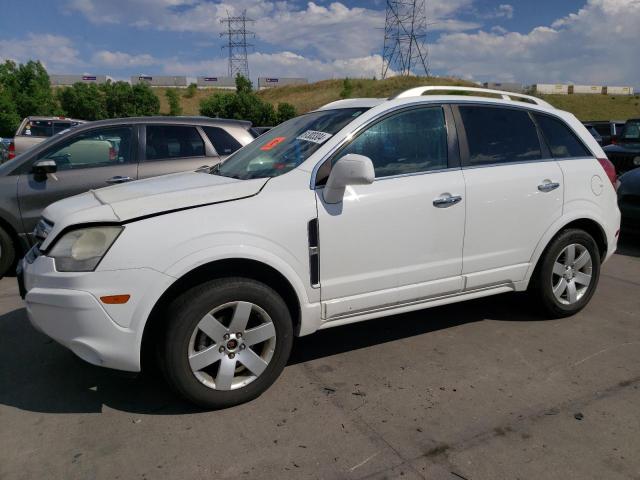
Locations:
{"points": [[173, 148], [514, 191]]}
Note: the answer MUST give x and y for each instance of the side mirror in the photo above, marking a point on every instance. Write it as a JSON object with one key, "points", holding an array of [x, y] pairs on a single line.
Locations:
{"points": [[43, 167], [351, 169]]}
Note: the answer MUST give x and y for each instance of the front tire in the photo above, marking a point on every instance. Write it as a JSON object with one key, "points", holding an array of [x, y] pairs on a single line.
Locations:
{"points": [[567, 274], [7, 252], [226, 342]]}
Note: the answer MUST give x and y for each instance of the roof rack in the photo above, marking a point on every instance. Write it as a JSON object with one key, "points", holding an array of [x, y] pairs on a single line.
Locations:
{"points": [[419, 91]]}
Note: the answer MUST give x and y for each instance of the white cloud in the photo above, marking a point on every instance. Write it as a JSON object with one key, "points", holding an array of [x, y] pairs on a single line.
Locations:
{"points": [[324, 31], [122, 60], [596, 45], [55, 52], [285, 64]]}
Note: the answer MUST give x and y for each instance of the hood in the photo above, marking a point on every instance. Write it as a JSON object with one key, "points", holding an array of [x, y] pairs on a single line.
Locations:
{"points": [[120, 203]]}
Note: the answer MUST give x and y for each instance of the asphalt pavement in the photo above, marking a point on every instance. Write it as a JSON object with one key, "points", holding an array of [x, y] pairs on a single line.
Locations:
{"points": [[486, 389]]}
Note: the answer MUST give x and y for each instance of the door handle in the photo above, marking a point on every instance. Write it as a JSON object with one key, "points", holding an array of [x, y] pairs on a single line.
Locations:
{"points": [[548, 186], [119, 179], [446, 201]]}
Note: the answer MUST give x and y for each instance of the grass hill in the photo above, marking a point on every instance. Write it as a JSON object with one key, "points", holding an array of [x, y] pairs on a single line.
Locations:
{"points": [[313, 95]]}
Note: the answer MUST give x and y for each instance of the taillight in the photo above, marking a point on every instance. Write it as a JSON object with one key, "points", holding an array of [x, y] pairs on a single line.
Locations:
{"points": [[112, 154], [12, 151], [609, 169]]}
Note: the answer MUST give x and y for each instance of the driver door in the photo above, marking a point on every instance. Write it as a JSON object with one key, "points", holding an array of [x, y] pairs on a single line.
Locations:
{"points": [[396, 241], [90, 160]]}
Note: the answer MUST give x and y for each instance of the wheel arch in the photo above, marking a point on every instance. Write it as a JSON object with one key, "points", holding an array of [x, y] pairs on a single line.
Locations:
{"points": [[236, 267], [588, 224]]}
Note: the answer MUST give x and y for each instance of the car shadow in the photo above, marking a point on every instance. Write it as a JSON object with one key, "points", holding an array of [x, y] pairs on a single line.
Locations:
{"points": [[39, 375], [629, 245]]}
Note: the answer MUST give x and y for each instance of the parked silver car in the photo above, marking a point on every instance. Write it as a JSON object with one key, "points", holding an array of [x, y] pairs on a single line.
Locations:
{"points": [[34, 130], [98, 154]]}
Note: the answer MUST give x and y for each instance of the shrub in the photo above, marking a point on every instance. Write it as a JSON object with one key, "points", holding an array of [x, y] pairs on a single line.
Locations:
{"points": [[174, 102]]}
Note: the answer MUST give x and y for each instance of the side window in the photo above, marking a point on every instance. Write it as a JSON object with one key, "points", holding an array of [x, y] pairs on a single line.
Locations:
{"points": [[38, 128], [221, 140], [168, 141], [410, 142], [96, 148], [499, 135], [562, 142]]}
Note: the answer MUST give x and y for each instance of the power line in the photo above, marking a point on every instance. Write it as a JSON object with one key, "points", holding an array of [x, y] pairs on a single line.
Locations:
{"points": [[405, 35], [237, 45]]}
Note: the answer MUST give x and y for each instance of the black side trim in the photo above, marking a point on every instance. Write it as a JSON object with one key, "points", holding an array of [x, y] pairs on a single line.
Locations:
{"points": [[314, 252]]}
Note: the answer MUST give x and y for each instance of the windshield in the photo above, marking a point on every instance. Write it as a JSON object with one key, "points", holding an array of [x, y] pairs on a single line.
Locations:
{"points": [[631, 131], [283, 148]]}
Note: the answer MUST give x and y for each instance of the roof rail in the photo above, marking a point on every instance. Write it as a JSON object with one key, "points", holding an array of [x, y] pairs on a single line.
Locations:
{"points": [[419, 91]]}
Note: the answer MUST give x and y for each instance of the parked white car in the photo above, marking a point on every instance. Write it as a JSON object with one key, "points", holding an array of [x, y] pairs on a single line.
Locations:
{"points": [[362, 209]]}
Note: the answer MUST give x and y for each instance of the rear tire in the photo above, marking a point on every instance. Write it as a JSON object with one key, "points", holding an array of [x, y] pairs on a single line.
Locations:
{"points": [[567, 274], [226, 342], [7, 252]]}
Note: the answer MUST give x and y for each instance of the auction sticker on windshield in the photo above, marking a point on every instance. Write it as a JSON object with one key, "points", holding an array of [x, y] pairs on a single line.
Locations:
{"points": [[273, 143], [314, 136]]}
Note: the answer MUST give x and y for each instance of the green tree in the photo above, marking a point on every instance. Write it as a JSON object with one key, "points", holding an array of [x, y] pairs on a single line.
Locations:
{"points": [[347, 88], [145, 101], [118, 99], [83, 101], [9, 118], [174, 102], [243, 84], [29, 88], [285, 112]]}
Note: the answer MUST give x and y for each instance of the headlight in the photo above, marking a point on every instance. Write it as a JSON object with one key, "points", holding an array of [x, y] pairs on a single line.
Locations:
{"points": [[81, 250]]}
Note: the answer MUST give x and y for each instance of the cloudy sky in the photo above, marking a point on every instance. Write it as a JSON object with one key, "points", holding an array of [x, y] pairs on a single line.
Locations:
{"points": [[583, 41]]}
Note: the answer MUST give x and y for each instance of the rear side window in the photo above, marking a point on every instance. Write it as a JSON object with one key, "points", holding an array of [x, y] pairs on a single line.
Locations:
{"points": [[499, 135], [562, 142], [170, 141], [38, 128], [602, 129], [414, 141], [222, 140]]}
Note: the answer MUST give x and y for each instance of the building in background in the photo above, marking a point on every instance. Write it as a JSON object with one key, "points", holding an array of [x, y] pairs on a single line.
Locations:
{"points": [[271, 82], [570, 89], [618, 90], [160, 80], [68, 80], [505, 86], [227, 83]]}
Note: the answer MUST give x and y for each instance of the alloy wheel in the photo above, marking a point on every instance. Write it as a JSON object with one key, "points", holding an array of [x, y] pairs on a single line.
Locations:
{"points": [[572, 274], [232, 345]]}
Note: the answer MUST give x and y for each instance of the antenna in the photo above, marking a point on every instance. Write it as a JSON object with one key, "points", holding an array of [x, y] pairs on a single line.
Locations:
{"points": [[237, 43], [405, 34]]}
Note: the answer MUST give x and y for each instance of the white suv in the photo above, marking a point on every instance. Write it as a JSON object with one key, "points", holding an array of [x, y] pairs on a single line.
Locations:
{"points": [[362, 209]]}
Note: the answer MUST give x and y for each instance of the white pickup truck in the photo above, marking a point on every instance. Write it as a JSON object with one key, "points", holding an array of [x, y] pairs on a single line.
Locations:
{"points": [[34, 130]]}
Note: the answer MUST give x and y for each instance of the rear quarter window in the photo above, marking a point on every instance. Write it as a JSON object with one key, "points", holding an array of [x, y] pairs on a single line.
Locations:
{"points": [[222, 141], [562, 141]]}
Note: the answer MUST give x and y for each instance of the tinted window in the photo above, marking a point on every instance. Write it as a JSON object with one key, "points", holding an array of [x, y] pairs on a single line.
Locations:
{"points": [[409, 142], [631, 130], [562, 142], [96, 148], [168, 141], [221, 140], [500, 135], [62, 126], [38, 128], [603, 129]]}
